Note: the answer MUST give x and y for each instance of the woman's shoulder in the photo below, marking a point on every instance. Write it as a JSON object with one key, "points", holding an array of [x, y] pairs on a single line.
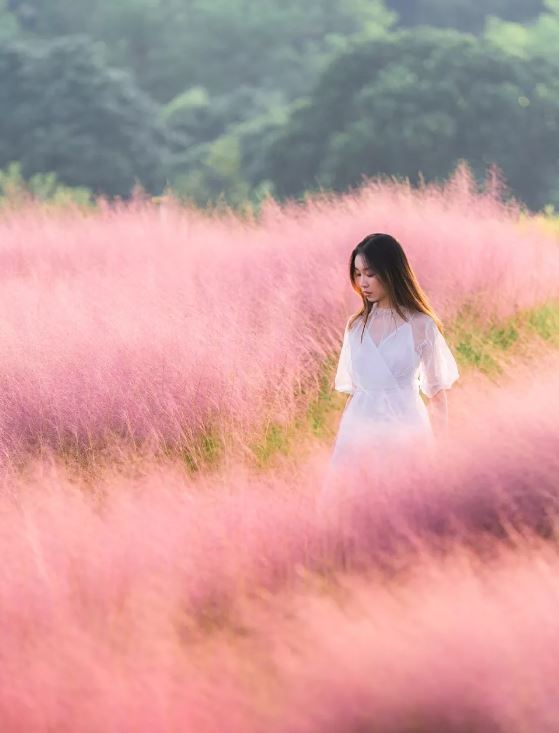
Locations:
{"points": [[353, 321], [420, 316], [423, 327]]}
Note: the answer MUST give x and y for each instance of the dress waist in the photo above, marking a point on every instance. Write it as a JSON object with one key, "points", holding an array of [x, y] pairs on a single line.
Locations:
{"points": [[396, 388]]}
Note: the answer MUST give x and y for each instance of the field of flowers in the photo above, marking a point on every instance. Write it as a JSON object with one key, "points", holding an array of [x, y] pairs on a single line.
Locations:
{"points": [[167, 410]]}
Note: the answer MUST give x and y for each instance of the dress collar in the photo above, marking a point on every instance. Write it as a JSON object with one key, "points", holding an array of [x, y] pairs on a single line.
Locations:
{"points": [[376, 309]]}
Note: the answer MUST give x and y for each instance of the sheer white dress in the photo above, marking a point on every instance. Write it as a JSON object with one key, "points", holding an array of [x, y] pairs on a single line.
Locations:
{"points": [[384, 372]]}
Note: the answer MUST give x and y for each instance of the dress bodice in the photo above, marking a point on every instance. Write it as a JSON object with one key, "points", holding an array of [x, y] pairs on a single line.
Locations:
{"points": [[388, 350]]}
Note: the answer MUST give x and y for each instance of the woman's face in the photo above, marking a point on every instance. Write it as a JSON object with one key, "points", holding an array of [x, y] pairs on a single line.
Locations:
{"points": [[368, 281]]}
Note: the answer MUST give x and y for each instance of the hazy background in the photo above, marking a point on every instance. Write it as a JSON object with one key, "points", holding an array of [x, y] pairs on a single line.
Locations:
{"points": [[235, 100]]}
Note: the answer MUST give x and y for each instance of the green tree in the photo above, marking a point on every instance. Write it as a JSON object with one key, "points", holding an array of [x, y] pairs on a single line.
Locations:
{"points": [[539, 39], [9, 26], [173, 45], [463, 15], [44, 187], [415, 104], [228, 163], [226, 71], [72, 115]]}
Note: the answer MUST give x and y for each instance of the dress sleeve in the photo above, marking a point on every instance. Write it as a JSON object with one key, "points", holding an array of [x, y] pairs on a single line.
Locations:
{"points": [[437, 367], [343, 381]]}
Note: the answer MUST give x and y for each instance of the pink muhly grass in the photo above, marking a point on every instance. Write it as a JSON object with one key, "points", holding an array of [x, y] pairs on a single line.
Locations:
{"points": [[157, 324], [454, 647], [201, 543], [147, 612], [134, 605]]}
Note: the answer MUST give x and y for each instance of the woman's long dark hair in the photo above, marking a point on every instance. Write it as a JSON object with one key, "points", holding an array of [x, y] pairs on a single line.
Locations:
{"points": [[385, 255]]}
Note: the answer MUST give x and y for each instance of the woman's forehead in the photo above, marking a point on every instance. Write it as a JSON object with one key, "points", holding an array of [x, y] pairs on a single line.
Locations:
{"points": [[361, 262]]}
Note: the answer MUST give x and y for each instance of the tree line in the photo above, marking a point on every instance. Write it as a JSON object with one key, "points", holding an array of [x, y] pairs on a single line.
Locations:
{"points": [[236, 99]]}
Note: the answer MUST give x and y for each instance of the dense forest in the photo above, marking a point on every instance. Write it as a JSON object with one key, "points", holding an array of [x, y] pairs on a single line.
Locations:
{"points": [[236, 100]]}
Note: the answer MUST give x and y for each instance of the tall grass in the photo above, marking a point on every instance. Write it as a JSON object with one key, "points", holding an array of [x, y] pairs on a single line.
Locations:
{"points": [[153, 602], [416, 592], [155, 325]]}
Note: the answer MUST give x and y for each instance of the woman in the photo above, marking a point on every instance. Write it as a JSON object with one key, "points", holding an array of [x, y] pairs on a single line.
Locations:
{"points": [[392, 349]]}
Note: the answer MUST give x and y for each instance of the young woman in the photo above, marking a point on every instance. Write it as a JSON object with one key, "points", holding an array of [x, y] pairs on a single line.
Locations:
{"points": [[392, 349]]}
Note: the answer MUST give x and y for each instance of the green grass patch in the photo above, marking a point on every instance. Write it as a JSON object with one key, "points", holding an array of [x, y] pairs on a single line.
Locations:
{"points": [[201, 454], [320, 409], [480, 348], [319, 403], [473, 352], [275, 439], [545, 322]]}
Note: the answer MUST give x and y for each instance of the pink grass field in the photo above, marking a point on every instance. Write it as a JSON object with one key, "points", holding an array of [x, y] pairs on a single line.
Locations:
{"points": [[232, 603], [422, 598], [155, 323]]}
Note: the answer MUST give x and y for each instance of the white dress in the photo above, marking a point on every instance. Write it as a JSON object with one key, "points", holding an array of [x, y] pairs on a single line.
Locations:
{"points": [[384, 372]]}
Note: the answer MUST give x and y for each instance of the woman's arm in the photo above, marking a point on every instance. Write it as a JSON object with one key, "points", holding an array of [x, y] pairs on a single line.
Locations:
{"points": [[438, 411], [437, 373]]}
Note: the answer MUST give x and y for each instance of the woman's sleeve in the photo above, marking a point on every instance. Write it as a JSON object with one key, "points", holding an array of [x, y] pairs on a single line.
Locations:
{"points": [[343, 381], [437, 367]]}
